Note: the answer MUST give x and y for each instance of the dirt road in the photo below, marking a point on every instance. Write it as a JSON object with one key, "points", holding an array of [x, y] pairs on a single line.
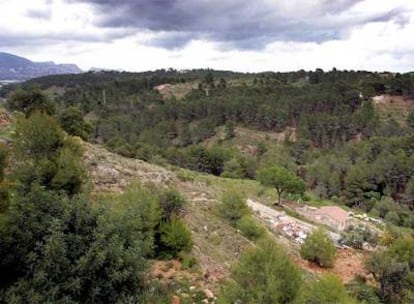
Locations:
{"points": [[290, 226]]}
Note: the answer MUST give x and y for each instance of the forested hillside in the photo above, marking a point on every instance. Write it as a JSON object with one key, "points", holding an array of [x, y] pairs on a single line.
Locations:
{"points": [[317, 138]]}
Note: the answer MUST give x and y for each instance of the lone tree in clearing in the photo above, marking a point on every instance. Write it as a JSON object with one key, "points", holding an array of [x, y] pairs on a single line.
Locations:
{"points": [[282, 179]]}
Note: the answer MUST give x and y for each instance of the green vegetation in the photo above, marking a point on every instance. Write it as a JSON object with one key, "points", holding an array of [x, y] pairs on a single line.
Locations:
{"points": [[266, 275], [58, 248], [172, 203], [30, 100], [4, 191], [71, 120], [328, 289], [250, 228], [319, 248], [393, 269], [362, 291], [174, 238], [282, 180], [233, 207], [263, 275], [319, 132], [356, 236]]}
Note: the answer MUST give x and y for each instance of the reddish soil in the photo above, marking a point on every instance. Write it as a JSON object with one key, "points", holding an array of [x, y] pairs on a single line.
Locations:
{"points": [[348, 264], [169, 270]]}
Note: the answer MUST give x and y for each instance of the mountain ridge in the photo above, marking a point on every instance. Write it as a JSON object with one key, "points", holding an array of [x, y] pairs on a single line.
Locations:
{"points": [[13, 67]]}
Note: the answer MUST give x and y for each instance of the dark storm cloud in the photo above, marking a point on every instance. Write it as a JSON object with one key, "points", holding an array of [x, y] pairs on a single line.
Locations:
{"points": [[26, 39], [240, 24]]}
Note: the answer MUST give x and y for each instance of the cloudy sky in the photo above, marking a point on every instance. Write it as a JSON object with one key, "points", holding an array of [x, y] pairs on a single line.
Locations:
{"points": [[242, 35]]}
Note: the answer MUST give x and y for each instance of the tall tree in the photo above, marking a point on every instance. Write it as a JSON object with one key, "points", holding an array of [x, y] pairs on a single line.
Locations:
{"points": [[282, 180]]}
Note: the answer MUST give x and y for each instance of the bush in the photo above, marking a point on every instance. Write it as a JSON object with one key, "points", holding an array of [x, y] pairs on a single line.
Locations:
{"points": [[171, 203], [264, 274], [187, 260], [174, 237], [61, 250], [250, 228], [233, 207], [356, 236], [232, 169], [4, 151], [71, 120], [4, 191], [46, 156], [186, 175], [319, 248], [328, 289], [29, 101], [364, 293]]}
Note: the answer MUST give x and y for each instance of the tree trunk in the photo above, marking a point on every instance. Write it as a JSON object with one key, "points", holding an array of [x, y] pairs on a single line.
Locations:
{"points": [[279, 197]]}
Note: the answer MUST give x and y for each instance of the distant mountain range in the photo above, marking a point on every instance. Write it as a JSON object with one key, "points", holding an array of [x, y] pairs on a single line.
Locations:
{"points": [[13, 67]]}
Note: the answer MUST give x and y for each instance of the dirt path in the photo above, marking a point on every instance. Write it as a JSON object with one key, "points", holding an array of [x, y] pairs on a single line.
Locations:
{"points": [[288, 224]]}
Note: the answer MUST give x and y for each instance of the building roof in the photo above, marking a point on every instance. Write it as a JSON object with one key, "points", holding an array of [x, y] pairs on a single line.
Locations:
{"points": [[333, 212]]}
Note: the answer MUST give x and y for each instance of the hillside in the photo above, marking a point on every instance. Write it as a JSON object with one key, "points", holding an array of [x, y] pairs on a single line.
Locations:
{"points": [[394, 107], [217, 245], [14, 67], [261, 159]]}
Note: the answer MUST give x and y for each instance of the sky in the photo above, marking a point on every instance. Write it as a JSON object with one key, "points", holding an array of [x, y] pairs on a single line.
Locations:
{"points": [[239, 35]]}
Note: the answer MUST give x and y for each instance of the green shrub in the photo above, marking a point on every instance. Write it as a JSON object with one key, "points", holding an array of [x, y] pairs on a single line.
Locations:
{"points": [[356, 236], [250, 228], [328, 289], [71, 120], [174, 237], [363, 292], [233, 206], [171, 203], [319, 248], [187, 260], [4, 151], [30, 100], [4, 191], [232, 169], [185, 175], [264, 274]]}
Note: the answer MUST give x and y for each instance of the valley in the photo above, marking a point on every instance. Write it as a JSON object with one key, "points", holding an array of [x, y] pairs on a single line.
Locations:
{"points": [[215, 173]]}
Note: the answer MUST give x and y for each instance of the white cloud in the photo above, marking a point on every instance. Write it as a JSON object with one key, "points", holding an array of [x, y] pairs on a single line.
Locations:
{"points": [[67, 33]]}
